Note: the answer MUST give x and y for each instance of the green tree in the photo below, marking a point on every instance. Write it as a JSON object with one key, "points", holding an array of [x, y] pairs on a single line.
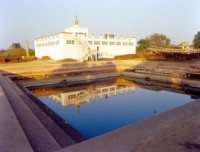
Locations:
{"points": [[196, 41], [159, 40], [31, 52], [143, 44]]}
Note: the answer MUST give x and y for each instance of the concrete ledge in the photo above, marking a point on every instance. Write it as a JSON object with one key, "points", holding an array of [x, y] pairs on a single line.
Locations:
{"points": [[28, 83], [12, 137], [61, 137], [39, 138], [177, 130], [162, 78]]}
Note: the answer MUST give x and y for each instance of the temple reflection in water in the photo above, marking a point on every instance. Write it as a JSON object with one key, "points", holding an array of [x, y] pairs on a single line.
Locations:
{"points": [[72, 94], [77, 93], [76, 98]]}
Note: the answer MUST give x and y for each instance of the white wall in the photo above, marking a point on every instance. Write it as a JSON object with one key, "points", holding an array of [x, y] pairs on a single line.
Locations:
{"points": [[49, 46], [58, 51], [76, 29], [55, 46], [109, 51]]}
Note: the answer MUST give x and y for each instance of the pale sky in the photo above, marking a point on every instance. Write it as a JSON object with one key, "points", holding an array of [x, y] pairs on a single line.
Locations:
{"points": [[22, 20]]}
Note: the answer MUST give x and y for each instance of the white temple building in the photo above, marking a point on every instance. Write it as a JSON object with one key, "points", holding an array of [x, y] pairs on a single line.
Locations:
{"points": [[75, 43]]}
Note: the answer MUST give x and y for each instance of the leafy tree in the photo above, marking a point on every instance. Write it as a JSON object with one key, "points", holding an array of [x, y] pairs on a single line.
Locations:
{"points": [[31, 52], [143, 44], [159, 40], [196, 41]]}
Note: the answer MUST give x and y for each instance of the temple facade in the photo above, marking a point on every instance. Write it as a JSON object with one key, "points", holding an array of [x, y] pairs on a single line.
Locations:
{"points": [[75, 43]]}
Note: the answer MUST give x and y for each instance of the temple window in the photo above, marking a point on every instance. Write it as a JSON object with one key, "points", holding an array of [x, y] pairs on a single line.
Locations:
{"points": [[131, 44], [96, 42], [112, 43], [118, 43], [70, 41], [104, 43], [125, 44], [90, 42]]}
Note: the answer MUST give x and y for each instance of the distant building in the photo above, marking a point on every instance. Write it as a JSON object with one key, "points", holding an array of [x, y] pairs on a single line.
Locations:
{"points": [[15, 45], [186, 45], [75, 43]]}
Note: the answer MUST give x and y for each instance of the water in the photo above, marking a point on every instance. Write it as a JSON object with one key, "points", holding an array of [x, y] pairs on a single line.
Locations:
{"points": [[100, 107]]}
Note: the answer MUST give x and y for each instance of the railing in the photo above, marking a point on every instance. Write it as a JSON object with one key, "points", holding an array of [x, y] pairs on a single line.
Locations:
{"points": [[86, 49]]}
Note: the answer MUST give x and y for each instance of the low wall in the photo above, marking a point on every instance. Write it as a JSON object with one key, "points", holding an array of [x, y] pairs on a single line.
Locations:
{"points": [[166, 79], [28, 83], [41, 70], [169, 72]]}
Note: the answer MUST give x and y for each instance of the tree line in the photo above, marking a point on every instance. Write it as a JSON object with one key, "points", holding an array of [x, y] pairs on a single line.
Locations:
{"points": [[161, 40]]}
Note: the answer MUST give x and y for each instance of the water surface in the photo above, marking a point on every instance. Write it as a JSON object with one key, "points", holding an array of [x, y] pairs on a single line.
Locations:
{"points": [[99, 107]]}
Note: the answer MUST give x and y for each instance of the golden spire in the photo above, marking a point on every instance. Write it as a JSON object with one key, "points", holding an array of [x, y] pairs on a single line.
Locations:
{"points": [[76, 21]]}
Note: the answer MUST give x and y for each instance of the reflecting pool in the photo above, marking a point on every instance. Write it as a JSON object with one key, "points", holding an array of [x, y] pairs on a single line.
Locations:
{"points": [[95, 108]]}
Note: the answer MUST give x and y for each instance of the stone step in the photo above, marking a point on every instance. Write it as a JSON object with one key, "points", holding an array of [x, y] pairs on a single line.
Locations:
{"points": [[62, 138], [12, 136], [39, 138]]}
